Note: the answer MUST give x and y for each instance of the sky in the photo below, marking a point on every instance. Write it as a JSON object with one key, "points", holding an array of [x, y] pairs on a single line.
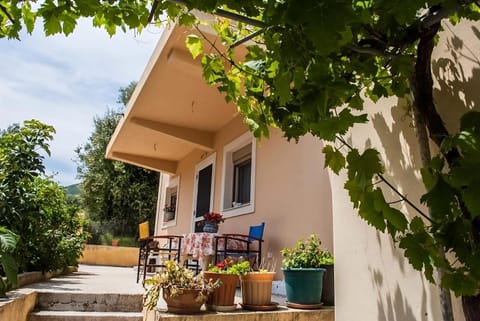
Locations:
{"points": [[67, 81]]}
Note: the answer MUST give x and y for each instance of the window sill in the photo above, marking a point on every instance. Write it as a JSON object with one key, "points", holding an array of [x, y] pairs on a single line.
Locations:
{"points": [[169, 224], [238, 210]]}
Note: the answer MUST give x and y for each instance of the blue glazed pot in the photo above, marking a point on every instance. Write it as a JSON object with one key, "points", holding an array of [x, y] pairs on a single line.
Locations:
{"points": [[210, 227], [304, 286]]}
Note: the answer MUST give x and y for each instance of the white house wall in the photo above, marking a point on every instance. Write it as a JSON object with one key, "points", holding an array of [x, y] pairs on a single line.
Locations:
{"points": [[373, 280]]}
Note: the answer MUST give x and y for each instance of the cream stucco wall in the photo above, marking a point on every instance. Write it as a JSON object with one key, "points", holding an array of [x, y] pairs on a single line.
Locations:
{"points": [[373, 280], [292, 194]]}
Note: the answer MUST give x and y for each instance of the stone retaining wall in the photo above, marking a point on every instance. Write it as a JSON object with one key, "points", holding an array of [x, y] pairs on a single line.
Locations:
{"points": [[109, 255]]}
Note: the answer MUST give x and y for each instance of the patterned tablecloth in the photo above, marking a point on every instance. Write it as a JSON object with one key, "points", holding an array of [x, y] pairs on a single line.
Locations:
{"points": [[201, 245]]}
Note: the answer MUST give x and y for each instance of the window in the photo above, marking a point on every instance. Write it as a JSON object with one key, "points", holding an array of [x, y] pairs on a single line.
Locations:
{"points": [[239, 176], [171, 202], [203, 190]]}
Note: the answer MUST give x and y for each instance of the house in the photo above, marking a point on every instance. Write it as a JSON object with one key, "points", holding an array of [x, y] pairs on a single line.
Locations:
{"points": [[177, 125], [209, 161]]}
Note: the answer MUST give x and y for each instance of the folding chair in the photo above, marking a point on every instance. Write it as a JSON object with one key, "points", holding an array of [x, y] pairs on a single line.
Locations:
{"points": [[155, 250], [235, 245]]}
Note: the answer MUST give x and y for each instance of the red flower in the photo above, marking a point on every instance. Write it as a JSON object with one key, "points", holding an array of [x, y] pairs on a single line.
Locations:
{"points": [[213, 217]]}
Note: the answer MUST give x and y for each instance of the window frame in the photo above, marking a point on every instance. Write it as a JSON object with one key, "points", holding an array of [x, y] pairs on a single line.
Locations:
{"points": [[204, 163], [228, 176], [173, 183]]}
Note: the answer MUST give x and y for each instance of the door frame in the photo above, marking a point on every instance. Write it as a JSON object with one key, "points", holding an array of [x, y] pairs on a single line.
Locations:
{"points": [[208, 160]]}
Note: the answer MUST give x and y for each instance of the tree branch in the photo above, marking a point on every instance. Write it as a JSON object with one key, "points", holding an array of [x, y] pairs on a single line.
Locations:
{"points": [[7, 13], [230, 15], [393, 188]]}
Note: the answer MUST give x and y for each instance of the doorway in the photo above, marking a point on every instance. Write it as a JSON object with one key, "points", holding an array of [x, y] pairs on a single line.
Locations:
{"points": [[203, 191]]}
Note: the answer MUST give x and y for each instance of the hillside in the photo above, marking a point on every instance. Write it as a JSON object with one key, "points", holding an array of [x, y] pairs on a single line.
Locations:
{"points": [[73, 190]]}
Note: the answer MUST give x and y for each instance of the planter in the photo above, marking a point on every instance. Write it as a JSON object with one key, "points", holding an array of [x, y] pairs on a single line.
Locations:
{"points": [[115, 242], [223, 298], [304, 287], [257, 291], [210, 227], [328, 293], [168, 216], [184, 303]]}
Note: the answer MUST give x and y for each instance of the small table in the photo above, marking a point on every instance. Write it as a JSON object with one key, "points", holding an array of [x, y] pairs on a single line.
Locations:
{"points": [[201, 246]]}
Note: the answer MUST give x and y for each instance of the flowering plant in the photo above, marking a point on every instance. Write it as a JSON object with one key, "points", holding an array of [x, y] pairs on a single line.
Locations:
{"points": [[174, 280], [213, 217], [169, 208], [230, 266]]}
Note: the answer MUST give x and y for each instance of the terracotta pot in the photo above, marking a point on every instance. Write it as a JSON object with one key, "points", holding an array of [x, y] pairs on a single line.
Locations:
{"points": [[115, 242], [257, 288], [223, 298], [184, 303]]}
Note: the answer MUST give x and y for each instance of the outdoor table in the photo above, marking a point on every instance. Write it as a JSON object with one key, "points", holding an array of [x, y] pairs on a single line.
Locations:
{"points": [[201, 246]]}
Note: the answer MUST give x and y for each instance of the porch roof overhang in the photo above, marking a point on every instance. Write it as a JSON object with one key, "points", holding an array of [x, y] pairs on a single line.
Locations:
{"points": [[172, 111]]}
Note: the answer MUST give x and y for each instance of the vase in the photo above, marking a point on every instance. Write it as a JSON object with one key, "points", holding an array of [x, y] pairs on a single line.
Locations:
{"points": [[222, 299], [183, 303], [210, 227]]}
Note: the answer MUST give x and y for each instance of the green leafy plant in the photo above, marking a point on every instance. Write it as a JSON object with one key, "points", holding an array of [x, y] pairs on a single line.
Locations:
{"points": [[306, 254], [32, 205], [8, 244], [175, 279]]}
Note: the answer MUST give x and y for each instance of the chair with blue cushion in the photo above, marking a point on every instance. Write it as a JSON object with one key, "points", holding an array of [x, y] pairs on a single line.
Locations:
{"points": [[236, 245]]}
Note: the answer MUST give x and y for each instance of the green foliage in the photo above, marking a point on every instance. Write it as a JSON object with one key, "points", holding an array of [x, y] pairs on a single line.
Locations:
{"points": [[115, 195], [306, 254], [308, 70], [8, 244], [33, 206]]}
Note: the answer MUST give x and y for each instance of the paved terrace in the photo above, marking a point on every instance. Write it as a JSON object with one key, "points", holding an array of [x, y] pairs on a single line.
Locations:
{"points": [[103, 282]]}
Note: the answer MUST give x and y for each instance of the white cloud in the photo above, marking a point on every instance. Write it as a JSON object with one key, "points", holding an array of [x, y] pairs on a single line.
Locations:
{"points": [[66, 81]]}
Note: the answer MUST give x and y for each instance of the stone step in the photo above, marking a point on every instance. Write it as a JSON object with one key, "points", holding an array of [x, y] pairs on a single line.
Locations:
{"points": [[84, 316], [98, 302]]}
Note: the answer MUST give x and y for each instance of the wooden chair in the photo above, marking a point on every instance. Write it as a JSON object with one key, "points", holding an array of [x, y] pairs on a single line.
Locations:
{"points": [[155, 250], [226, 245]]}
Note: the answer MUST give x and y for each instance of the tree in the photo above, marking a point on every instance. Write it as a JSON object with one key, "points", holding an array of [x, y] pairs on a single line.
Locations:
{"points": [[33, 206], [117, 195], [309, 66]]}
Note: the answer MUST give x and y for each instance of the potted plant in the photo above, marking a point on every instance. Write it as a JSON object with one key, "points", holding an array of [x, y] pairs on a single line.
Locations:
{"points": [[328, 291], [211, 222], [303, 273], [183, 292], [257, 287], [169, 213], [226, 272]]}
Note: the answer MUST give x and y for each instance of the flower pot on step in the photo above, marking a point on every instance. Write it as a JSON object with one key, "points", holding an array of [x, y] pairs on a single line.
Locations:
{"points": [[186, 302], [257, 289], [222, 299]]}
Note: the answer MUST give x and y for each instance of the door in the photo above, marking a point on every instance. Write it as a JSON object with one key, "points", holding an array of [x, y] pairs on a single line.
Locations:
{"points": [[203, 192]]}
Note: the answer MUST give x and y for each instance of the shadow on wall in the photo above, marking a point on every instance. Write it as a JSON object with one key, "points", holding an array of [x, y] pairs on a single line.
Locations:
{"points": [[458, 78], [392, 303], [394, 307], [457, 74]]}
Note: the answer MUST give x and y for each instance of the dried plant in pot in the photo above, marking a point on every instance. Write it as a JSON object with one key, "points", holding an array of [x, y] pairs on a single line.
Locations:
{"points": [[303, 270], [183, 292]]}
